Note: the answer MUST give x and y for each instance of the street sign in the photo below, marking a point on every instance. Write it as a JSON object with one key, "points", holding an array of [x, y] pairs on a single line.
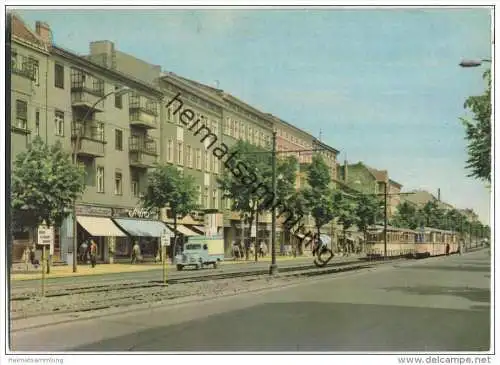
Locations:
{"points": [[165, 237], [45, 235]]}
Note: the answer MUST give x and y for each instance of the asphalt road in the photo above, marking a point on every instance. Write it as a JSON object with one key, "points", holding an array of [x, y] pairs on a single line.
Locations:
{"points": [[156, 274], [438, 304]]}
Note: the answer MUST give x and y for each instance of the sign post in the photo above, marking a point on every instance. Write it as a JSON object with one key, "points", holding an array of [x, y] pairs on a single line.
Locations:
{"points": [[45, 238], [165, 242]]}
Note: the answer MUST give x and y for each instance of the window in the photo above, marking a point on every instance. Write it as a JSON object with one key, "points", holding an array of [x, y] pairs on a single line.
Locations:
{"points": [[170, 151], [169, 114], [35, 70], [118, 101], [100, 179], [215, 164], [189, 156], [37, 122], [205, 197], [21, 114], [198, 188], [59, 123], [180, 153], [118, 140], [236, 131], [198, 158], [59, 76], [226, 126], [135, 185], [207, 161], [231, 127], [118, 183], [215, 199]]}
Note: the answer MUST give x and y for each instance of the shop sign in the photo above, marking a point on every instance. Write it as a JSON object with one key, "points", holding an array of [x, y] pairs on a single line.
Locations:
{"points": [[141, 213], [94, 211]]}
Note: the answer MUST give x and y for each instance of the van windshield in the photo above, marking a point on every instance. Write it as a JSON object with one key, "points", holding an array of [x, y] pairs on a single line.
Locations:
{"points": [[193, 247]]}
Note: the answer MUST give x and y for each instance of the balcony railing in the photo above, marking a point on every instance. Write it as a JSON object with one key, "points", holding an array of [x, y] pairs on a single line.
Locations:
{"points": [[137, 102], [143, 144], [93, 130], [24, 66]]}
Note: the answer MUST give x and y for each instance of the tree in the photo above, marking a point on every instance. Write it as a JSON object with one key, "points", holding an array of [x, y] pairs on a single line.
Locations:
{"points": [[345, 209], [367, 211], [321, 198], [248, 182], [297, 206], [169, 187], [478, 133], [406, 216], [44, 184]]}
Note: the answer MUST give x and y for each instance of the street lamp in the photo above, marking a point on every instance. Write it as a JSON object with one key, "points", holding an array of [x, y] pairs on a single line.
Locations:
{"points": [[473, 63], [76, 146]]}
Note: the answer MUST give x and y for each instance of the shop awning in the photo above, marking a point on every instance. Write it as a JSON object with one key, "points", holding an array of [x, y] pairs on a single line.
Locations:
{"points": [[100, 226], [141, 227], [185, 230], [199, 229]]}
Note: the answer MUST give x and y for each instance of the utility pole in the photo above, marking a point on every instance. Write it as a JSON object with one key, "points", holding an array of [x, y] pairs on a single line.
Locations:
{"points": [[273, 269], [385, 220]]}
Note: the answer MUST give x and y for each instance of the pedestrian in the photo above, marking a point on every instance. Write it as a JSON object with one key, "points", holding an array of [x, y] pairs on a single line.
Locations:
{"points": [[447, 249], [83, 252], [136, 252], [93, 252]]}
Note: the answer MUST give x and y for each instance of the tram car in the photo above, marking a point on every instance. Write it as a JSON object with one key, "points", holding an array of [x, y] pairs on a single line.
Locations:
{"points": [[402, 242], [433, 242]]}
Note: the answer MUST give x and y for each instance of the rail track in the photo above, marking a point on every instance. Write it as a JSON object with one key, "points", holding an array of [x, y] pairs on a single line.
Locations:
{"points": [[127, 295], [18, 294]]}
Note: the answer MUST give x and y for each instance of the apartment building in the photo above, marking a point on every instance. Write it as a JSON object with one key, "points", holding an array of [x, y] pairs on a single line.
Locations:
{"points": [[368, 180], [60, 96], [122, 115]]}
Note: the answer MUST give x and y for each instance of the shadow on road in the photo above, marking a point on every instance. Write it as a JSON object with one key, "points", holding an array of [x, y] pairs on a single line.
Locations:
{"points": [[472, 294], [469, 268], [315, 326]]}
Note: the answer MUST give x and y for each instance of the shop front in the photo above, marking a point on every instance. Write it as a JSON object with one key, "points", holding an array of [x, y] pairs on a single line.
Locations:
{"points": [[93, 222], [141, 226]]}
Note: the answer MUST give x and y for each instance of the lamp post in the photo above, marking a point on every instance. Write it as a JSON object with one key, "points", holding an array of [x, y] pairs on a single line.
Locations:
{"points": [[385, 220], [474, 63], [76, 147], [273, 268]]}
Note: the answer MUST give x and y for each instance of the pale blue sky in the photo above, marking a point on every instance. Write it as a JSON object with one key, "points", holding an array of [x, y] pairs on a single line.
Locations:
{"points": [[383, 85]]}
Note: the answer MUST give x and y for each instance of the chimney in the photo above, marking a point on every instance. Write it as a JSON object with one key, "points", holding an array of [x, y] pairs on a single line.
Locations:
{"points": [[439, 194], [345, 170], [43, 30]]}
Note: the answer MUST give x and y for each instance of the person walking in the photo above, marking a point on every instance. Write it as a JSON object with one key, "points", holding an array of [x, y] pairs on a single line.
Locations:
{"points": [[136, 252], [93, 252]]}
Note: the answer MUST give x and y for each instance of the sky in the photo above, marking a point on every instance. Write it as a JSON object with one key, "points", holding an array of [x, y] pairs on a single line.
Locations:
{"points": [[383, 86]]}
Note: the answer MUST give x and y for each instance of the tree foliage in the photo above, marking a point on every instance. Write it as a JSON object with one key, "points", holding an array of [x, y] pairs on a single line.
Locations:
{"points": [[247, 180], [478, 133], [368, 210], [169, 187], [45, 184], [322, 200]]}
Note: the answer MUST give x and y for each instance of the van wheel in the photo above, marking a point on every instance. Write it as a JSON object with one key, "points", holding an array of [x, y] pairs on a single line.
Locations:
{"points": [[179, 267], [199, 266], [215, 264]]}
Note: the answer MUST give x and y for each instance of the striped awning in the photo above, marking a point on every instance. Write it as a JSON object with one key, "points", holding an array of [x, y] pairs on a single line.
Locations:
{"points": [[184, 230], [141, 227], [100, 226]]}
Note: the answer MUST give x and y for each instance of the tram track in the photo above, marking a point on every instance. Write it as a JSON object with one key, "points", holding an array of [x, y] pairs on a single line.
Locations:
{"points": [[154, 292], [73, 289]]}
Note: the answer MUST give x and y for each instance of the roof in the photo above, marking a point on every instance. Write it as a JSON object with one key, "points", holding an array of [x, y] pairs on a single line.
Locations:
{"points": [[20, 30], [422, 197], [379, 175], [323, 144]]}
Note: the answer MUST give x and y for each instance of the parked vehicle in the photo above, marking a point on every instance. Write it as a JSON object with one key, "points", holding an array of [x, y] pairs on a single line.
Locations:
{"points": [[201, 251]]}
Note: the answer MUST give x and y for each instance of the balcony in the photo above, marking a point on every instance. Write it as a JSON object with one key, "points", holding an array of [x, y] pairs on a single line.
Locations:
{"points": [[142, 152], [91, 142], [86, 91], [143, 112]]}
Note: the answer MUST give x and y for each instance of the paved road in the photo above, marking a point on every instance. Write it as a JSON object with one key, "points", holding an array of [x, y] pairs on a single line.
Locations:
{"points": [[439, 304], [156, 274]]}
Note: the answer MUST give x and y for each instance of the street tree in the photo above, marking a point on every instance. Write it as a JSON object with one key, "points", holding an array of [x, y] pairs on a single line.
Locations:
{"points": [[368, 210], [478, 132], [297, 207], [169, 187], [321, 199], [406, 216], [44, 185], [247, 182], [345, 210]]}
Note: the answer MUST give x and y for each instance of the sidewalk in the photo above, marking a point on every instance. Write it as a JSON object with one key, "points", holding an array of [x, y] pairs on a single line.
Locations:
{"points": [[103, 269]]}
